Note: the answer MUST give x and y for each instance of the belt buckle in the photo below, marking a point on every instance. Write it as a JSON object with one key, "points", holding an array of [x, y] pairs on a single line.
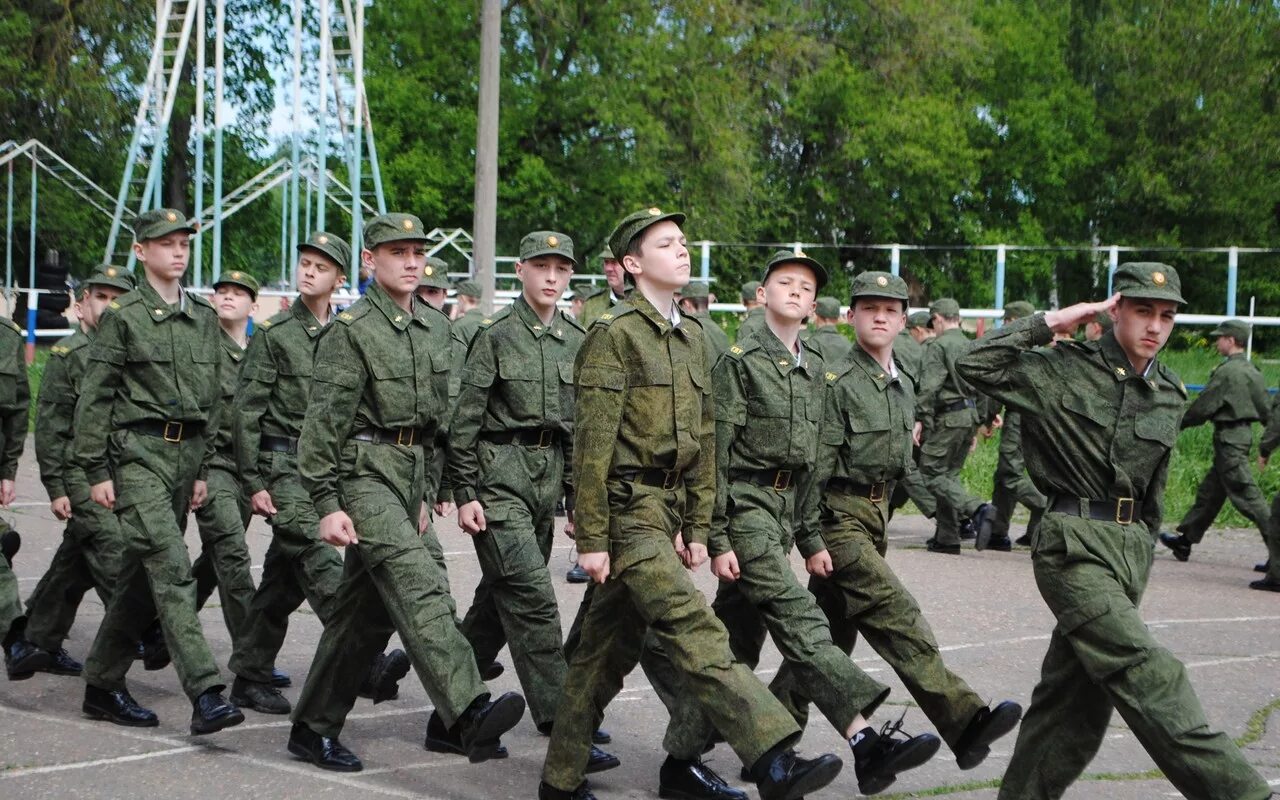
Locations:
{"points": [[670, 479], [413, 432], [175, 438], [1123, 518], [544, 438], [782, 480], [877, 492]]}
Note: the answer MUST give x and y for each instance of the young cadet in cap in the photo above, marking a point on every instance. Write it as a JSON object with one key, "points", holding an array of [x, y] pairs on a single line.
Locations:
{"points": [[1234, 399], [1099, 423], [753, 319], [695, 301], [223, 518], [1270, 581], [826, 336], [1011, 485], [154, 372], [379, 391], [267, 418], [948, 408], [769, 394], [510, 449], [89, 556], [603, 299], [644, 471], [15, 401], [433, 285], [865, 447]]}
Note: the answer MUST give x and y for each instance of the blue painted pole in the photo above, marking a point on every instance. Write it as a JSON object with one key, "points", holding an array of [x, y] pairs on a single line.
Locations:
{"points": [[1233, 275], [706, 262], [895, 259], [1000, 265], [1113, 264], [31, 269]]}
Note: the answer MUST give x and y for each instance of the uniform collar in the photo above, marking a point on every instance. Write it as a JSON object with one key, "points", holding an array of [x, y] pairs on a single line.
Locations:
{"points": [[232, 347], [310, 324], [1116, 358], [783, 359], [641, 304], [157, 308], [533, 322], [953, 332], [882, 378], [397, 316]]}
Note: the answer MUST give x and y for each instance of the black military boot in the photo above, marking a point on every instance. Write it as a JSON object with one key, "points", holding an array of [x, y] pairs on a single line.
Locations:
{"points": [[382, 681], [442, 740], [117, 707], [210, 713], [261, 697], [679, 779], [782, 775], [878, 758], [986, 726], [22, 659], [61, 663], [548, 792], [481, 726], [324, 752], [1177, 543]]}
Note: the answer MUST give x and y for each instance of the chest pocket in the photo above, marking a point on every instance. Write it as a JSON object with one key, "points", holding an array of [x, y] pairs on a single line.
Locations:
{"points": [[1091, 407], [9, 377], [1158, 426], [394, 394]]}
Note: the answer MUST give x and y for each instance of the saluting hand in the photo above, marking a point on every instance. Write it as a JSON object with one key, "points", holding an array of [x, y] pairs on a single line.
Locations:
{"points": [[338, 530], [1066, 320]]}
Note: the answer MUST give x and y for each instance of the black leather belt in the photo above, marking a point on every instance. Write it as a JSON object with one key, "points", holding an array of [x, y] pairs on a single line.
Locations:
{"points": [[959, 405], [405, 437], [539, 438], [875, 492], [279, 444], [668, 479], [1121, 510], [173, 431], [780, 480]]}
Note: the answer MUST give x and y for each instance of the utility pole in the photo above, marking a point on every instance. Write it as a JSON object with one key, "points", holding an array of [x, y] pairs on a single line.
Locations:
{"points": [[485, 224]]}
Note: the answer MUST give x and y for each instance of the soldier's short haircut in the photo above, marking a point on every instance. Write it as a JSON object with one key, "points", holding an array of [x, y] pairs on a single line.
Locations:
{"points": [[699, 303]]}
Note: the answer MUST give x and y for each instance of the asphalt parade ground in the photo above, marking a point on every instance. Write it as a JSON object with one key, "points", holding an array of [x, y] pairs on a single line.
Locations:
{"points": [[983, 607]]}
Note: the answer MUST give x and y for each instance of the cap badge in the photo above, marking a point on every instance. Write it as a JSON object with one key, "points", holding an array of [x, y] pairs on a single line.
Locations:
{"points": [[800, 253], [172, 217], [428, 271], [552, 241], [1158, 278], [111, 272], [408, 224], [655, 211], [322, 240], [882, 281], [235, 276]]}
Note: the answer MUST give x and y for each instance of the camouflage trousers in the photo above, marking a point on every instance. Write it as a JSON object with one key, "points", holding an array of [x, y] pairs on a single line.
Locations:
{"points": [[1102, 656], [648, 587], [1230, 478], [768, 596], [88, 558], [298, 566], [223, 562], [391, 582], [913, 487], [1012, 485], [10, 604], [1272, 538], [942, 456], [515, 602], [864, 596], [153, 482]]}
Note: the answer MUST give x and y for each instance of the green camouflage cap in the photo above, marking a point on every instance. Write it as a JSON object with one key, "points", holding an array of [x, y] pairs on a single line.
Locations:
{"points": [[467, 289], [748, 291], [607, 255], [435, 274], [242, 279], [1017, 310], [1237, 329], [828, 307], [919, 319], [111, 275], [1103, 319], [1148, 280], [547, 243], [696, 290], [636, 223], [879, 284], [160, 222], [796, 257], [393, 228], [945, 306], [335, 248]]}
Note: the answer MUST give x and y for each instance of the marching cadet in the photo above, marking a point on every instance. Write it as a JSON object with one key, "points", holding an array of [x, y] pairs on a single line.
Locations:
{"points": [[1099, 422], [948, 409], [379, 392], [224, 516], [834, 346], [1234, 399], [695, 301], [154, 373], [644, 443], [1270, 580], [1011, 485], [601, 300], [89, 556], [908, 353], [769, 405], [433, 285], [865, 447], [20, 658], [267, 419], [510, 445]]}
